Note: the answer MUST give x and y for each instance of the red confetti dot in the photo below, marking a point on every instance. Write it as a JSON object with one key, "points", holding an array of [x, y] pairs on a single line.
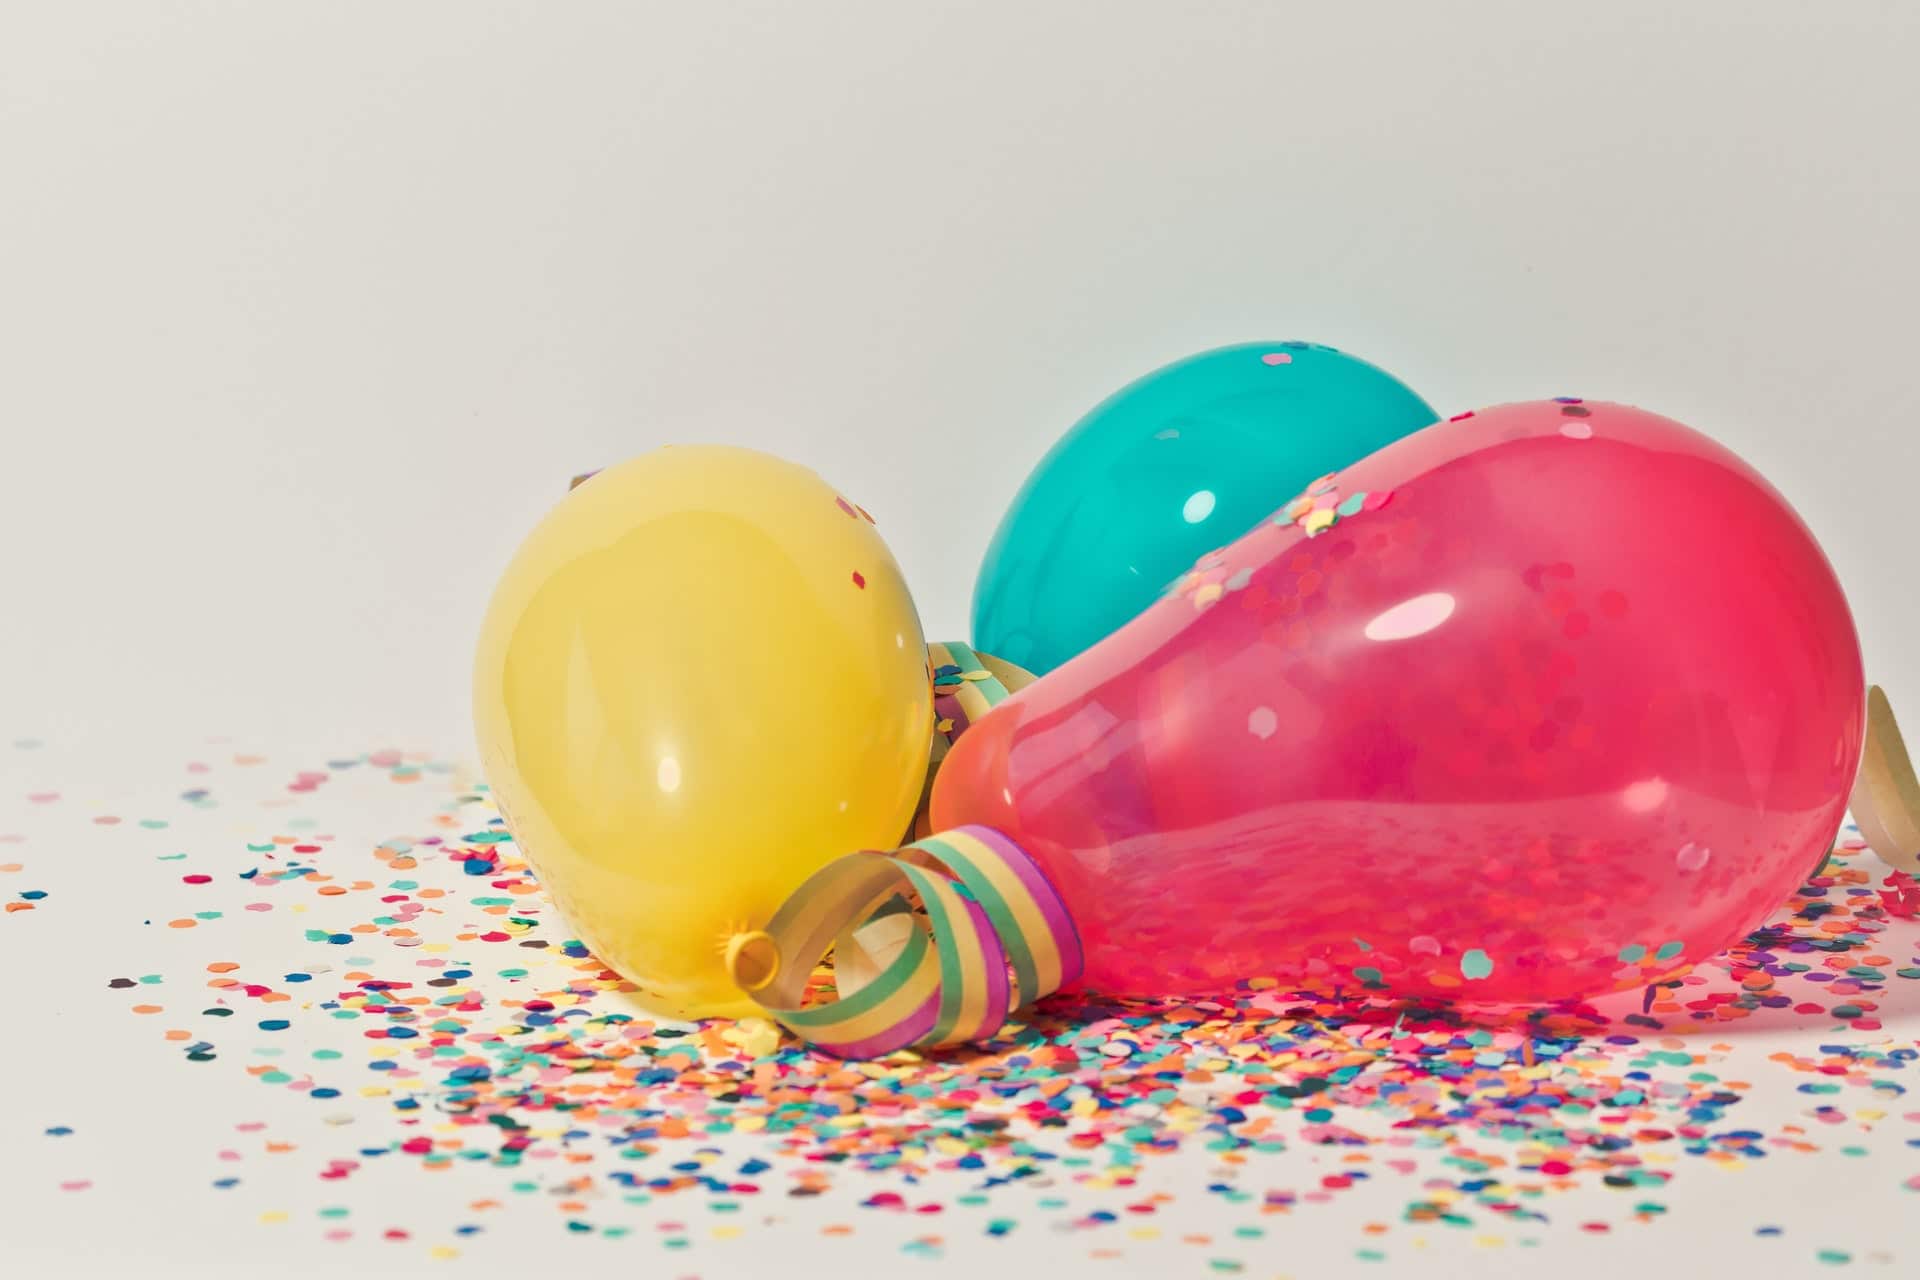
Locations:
{"points": [[859, 581]]}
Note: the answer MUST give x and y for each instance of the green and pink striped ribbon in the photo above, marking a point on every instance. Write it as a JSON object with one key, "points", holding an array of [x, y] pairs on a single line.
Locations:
{"points": [[933, 944], [991, 934]]}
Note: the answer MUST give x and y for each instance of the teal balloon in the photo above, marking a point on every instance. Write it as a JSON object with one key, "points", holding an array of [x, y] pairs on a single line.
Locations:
{"points": [[1166, 469]]}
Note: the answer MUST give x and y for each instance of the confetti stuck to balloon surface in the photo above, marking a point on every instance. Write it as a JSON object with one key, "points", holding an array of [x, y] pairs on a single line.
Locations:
{"points": [[424, 998]]}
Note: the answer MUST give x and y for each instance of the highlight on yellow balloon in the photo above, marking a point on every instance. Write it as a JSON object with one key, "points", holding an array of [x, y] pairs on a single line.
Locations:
{"points": [[700, 679]]}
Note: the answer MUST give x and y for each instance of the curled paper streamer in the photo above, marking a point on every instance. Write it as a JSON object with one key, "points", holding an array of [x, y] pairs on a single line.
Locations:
{"points": [[1886, 796], [934, 944], [966, 685], [990, 934]]}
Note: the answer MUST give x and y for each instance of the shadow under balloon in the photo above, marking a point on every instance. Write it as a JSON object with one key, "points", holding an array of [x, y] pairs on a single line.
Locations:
{"points": [[1842, 955]]}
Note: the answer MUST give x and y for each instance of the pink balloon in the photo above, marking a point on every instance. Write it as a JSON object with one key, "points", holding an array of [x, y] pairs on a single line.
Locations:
{"points": [[1540, 702]]}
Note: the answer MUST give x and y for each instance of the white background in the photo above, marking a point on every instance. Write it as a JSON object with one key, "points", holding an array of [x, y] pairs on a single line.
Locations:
{"points": [[307, 312]]}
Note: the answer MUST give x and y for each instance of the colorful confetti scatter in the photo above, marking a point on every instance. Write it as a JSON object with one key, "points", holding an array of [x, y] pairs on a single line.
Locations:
{"points": [[420, 999]]}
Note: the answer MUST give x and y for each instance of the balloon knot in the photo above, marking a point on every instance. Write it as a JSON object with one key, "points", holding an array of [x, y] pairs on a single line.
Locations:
{"points": [[752, 960]]}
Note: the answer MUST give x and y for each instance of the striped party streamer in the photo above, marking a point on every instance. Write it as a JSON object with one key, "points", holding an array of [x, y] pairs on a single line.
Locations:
{"points": [[989, 934], [933, 944], [966, 685]]}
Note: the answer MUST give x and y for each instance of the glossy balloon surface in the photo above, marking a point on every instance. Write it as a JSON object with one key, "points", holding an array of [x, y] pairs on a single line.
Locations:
{"points": [[700, 679], [1538, 703], [1183, 460]]}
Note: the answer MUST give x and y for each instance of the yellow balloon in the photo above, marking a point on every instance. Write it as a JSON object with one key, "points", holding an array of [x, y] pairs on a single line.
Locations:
{"points": [[700, 680]]}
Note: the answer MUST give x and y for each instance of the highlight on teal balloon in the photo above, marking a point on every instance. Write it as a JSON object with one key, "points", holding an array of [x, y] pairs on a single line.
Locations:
{"points": [[1166, 469]]}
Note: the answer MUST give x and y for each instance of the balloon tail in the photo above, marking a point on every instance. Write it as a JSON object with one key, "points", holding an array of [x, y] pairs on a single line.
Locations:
{"points": [[1886, 795]]}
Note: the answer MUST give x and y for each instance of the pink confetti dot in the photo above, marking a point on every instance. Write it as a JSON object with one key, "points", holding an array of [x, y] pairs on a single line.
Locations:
{"points": [[1276, 358]]}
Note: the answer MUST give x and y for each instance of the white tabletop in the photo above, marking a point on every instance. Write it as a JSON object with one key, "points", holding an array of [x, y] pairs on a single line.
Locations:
{"points": [[157, 1120]]}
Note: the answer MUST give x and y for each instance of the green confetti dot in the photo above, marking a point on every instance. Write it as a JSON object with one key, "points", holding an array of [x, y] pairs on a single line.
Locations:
{"points": [[1834, 1256], [1668, 950], [1476, 964], [1633, 953]]}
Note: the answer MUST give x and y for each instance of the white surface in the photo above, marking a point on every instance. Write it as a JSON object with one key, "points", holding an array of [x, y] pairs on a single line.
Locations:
{"points": [[307, 311], [152, 1131]]}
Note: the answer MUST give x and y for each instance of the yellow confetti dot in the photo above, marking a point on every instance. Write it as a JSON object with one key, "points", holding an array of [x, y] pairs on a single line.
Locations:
{"points": [[1206, 595], [443, 1252], [273, 1216], [1316, 521], [756, 1037]]}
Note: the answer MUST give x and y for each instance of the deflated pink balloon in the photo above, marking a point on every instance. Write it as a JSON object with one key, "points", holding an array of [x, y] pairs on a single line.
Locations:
{"points": [[1540, 702]]}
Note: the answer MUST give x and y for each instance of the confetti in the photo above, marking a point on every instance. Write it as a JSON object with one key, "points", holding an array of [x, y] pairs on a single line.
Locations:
{"points": [[421, 1001]]}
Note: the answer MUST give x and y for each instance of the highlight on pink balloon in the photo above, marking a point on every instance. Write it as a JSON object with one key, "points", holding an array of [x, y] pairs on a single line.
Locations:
{"points": [[1566, 689]]}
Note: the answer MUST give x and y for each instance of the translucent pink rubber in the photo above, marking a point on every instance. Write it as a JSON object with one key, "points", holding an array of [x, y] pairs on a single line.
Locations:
{"points": [[1537, 703]]}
